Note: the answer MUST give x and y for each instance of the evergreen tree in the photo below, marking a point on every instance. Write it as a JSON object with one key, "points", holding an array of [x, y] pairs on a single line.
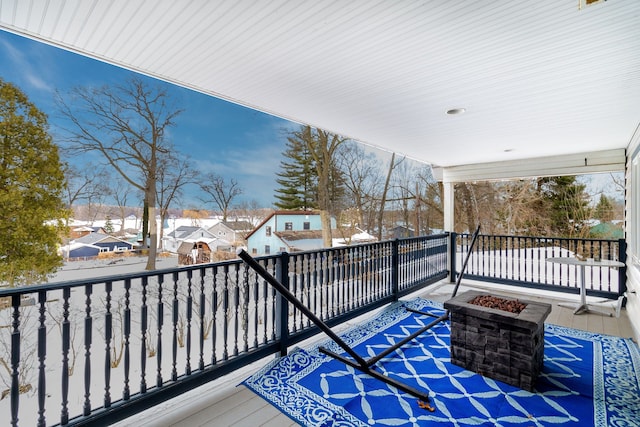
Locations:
{"points": [[108, 225], [567, 205], [297, 179], [604, 209], [32, 209]]}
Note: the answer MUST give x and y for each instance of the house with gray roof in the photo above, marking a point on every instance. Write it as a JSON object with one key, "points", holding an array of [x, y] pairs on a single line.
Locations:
{"points": [[232, 231], [93, 244]]}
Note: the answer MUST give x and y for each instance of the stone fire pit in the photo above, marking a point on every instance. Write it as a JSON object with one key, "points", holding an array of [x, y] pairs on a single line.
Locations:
{"points": [[498, 344]]}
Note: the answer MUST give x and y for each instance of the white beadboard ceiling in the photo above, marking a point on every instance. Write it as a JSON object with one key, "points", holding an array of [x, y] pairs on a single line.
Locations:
{"points": [[538, 78]]}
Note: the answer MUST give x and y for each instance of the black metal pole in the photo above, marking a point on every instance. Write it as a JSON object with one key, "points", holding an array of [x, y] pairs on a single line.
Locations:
{"points": [[378, 357], [466, 260], [299, 305]]}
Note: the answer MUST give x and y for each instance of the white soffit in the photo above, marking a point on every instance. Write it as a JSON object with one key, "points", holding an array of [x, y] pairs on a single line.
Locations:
{"points": [[571, 164], [539, 78]]}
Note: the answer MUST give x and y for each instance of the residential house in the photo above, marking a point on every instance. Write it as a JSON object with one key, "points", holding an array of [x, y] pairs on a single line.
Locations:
{"points": [[233, 232], [286, 231], [93, 244], [184, 239], [80, 230], [194, 253], [353, 236], [401, 231]]}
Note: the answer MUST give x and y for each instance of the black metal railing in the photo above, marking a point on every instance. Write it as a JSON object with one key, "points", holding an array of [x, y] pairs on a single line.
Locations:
{"points": [[522, 261], [92, 351], [99, 350]]}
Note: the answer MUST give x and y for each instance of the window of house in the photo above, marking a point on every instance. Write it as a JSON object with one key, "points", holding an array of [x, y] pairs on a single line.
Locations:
{"points": [[306, 225], [288, 226], [268, 230], [267, 249], [254, 251]]}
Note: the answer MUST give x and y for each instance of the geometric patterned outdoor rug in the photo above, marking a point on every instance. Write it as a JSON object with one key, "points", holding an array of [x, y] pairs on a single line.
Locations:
{"points": [[587, 380]]}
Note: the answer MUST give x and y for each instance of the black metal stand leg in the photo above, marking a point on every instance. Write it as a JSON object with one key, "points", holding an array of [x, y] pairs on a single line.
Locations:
{"points": [[377, 375], [358, 362]]}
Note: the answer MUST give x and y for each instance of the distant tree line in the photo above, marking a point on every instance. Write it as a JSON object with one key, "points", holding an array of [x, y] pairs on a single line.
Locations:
{"points": [[551, 206], [342, 179], [126, 130], [323, 171]]}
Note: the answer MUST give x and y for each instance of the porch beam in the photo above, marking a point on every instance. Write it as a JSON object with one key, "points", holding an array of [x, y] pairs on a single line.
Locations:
{"points": [[570, 164]]}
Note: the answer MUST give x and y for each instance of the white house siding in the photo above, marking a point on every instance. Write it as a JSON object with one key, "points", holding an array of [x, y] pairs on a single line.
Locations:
{"points": [[259, 239], [632, 195]]}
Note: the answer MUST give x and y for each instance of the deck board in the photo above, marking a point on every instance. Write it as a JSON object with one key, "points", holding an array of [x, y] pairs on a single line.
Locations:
{"points": [[235, 405]]}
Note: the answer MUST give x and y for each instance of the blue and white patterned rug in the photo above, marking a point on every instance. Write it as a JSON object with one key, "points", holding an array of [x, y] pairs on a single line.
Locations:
{"points": [[587, 380]]}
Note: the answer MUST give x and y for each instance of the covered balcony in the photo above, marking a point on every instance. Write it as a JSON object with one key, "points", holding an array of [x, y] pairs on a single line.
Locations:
{"points": [[101, 350], [480, 91]]}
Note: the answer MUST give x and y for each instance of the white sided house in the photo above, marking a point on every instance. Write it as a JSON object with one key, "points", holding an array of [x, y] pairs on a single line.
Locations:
{"points": [[233, 232], [287, 231], [191, 235]]}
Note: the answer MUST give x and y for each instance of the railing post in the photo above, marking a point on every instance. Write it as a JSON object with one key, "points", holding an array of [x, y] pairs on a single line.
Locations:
{"points": [[15, 358], [282, 305], [452, 256], [395, 257], [622, 271]]}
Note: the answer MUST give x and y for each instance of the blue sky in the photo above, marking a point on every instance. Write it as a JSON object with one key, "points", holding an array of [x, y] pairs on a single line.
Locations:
{"points": [[221, 137]]}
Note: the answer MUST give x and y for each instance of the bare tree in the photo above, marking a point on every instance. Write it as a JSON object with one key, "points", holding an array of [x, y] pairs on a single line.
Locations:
{"points": [[173, 175], [362, 177], [127, 126], [323, 146], [120, 192], [84, 185], [252, 212], [383, 198], [429, 206], [476, 203], [220, 192], [404, 191], [518, 211]]}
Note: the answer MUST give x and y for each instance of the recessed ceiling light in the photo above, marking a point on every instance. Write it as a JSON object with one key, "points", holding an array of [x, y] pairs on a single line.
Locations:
{"points": [[455, 111]]}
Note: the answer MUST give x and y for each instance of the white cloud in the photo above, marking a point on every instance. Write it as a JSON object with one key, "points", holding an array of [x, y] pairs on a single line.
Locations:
{"points": [[31, 75]]}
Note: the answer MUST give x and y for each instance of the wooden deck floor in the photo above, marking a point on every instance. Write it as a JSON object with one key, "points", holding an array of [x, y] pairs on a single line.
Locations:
{"points": [[225, 403]]}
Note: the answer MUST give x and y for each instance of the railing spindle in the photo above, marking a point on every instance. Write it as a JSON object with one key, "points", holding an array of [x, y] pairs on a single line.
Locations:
{"points": [[201, 313], [189, 312], [66, 344], [126, 391], [245, 310], [108, 336], [175, 311], [160, 323], [214, 312], [236, 306], [42, 354], [87, 351], [143, 331], [15, 359], [225, 313]]}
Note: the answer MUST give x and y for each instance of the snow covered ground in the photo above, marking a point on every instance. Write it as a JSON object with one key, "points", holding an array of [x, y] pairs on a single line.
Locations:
{"points": [[78, 270]]}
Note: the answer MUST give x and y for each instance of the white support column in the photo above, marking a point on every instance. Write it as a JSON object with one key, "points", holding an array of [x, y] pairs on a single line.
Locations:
{"points": [[447, 208], [448, 199]]}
